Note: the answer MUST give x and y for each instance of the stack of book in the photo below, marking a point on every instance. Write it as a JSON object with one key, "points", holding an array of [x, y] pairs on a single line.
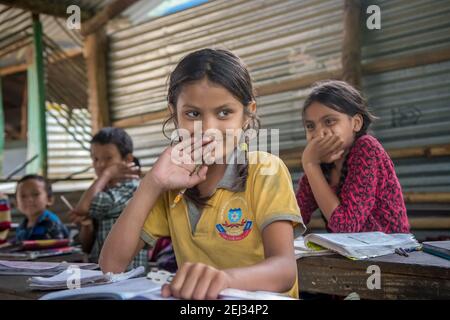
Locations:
{"points": [[32, 268], [33, 249]]}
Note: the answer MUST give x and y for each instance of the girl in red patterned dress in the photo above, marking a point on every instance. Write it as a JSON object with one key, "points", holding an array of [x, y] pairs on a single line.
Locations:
{"points": [[348, 174]]}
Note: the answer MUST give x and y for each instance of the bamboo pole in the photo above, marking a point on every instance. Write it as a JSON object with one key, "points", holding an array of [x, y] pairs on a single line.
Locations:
{"points": [[37, 130]]}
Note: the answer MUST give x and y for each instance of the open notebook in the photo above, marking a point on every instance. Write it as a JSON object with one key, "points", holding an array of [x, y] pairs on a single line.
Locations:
{"points": [[362, 245], [146, 289]]}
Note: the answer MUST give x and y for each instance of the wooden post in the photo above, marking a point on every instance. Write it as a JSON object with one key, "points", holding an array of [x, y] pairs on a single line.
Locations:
{"points": [[24, 114], [95, 46], [37, 130], [351, 44]]}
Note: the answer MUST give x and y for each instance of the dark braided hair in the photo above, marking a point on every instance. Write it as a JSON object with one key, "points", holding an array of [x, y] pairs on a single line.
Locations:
{"points": [[221, 67], [341, 97]]}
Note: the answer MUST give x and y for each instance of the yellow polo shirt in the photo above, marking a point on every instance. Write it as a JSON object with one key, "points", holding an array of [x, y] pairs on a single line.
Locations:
{"points": [[228, 233]]}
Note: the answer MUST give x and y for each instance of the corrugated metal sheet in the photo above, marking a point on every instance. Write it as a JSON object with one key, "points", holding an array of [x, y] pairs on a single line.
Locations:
{"points": [[278, 40], [15, 30], [68, 136], [298, 38], [407, 27], [414, 103]]}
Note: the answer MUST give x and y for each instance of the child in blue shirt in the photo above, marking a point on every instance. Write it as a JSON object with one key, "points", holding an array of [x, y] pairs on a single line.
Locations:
{"points": [[34, 195]]}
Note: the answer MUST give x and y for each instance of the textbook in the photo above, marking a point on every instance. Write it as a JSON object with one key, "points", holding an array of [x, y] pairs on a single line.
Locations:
{"points": [[302, 250], [70, 278], [362, 245], [39, 268], [145, 289], [149, 288], [437, 248]]}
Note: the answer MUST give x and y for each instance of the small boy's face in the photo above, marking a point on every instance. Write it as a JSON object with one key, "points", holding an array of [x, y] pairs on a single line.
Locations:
{"points": [[104, 156], [32, 197]]}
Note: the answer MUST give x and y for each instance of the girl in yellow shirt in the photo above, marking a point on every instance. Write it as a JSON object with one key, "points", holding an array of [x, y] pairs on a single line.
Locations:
{"points": [[235, 223]]}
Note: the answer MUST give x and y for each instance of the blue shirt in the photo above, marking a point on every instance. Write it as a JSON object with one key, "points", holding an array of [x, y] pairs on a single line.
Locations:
{"points": [[48, 226]]}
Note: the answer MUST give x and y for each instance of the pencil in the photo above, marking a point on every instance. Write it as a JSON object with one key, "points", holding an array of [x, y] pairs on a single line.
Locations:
{"points": [[181, 193], [67, 203]]}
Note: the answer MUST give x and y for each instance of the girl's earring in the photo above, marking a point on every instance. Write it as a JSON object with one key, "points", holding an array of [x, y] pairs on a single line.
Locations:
{"points": [[244, 147], [177, 139]]}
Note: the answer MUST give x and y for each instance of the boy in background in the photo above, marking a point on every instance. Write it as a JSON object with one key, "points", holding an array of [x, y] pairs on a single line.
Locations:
{"points": [[34, 196], [101, 205]]}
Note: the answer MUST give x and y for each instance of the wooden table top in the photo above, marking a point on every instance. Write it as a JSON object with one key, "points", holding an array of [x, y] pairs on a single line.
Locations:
{"points": [[418, 276], [15, 287]]}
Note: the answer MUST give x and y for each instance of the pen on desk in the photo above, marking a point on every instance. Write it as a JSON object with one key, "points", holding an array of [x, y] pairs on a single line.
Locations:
{"points": [[404, 251]]}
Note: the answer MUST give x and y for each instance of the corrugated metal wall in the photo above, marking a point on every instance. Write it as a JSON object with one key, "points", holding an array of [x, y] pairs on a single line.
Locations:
{"points": [[413, 103], [282, 40], [279, 40], [68, 136]]}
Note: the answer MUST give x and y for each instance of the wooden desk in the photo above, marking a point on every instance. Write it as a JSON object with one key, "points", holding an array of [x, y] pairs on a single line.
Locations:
{"points": [[419, 276], [15, 287]]}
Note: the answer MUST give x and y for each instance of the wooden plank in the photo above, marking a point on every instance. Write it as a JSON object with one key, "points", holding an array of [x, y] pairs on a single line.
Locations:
{"points": [[4, 71], [297, 82], [406, 61], [68, 54], [416, 223], [351, 43], [95, 46], [50, 7], [141, 119], [106, 13], [292, 156], [419, 276], [419, 197]]}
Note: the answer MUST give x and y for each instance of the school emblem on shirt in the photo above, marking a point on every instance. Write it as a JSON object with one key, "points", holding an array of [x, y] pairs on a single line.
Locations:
{"points": [[234, 225]]}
